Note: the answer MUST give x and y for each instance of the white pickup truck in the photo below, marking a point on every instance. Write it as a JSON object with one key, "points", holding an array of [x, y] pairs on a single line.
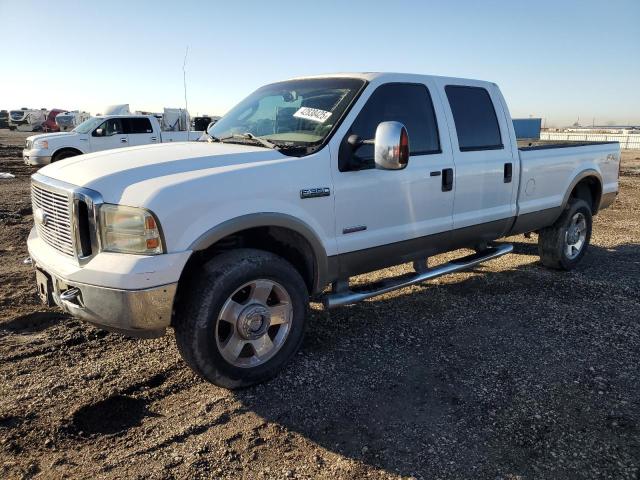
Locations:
{"points": [[97, 134], [304, 184]]}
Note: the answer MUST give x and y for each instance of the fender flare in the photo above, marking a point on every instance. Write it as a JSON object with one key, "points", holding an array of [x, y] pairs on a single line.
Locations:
{"points": [[590, 172], [270, 219], [66, 148]]}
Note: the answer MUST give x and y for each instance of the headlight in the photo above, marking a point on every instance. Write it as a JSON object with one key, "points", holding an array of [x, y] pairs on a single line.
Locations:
{"points": [[42, 144], [129, 230]]}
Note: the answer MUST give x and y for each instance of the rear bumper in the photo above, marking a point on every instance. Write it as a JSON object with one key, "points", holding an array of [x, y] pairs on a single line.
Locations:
{"points": [[136, 313]]}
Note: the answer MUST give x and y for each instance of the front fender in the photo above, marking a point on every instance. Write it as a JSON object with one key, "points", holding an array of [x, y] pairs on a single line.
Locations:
{"points": [[269, 219]]}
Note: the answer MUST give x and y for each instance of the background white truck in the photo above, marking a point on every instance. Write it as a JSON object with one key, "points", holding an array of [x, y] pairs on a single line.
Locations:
{"points": [[303, 185], [100, 133]]}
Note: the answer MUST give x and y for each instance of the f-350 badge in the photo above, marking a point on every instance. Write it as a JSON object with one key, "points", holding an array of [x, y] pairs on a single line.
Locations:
{"points": [[315, 192]]}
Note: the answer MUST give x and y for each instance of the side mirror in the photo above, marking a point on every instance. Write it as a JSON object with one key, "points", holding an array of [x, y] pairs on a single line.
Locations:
{"points": [[99, 132], [391, 146]]}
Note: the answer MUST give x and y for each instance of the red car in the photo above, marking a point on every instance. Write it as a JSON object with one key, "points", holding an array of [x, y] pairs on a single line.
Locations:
{"points": [[50, 123]]}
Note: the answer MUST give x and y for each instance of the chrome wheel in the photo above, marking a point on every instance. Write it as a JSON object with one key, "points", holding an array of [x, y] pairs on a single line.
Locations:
{"points": [[576, 236], [253, 323]]}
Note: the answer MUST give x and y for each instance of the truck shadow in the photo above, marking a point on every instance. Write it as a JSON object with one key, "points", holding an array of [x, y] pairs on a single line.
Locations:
{"points": [[472, 379], [32, 322]]}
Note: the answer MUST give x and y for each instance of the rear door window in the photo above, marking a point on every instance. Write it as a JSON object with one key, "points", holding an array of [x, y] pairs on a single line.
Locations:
{"points": [[137, 125], [475, 118]]}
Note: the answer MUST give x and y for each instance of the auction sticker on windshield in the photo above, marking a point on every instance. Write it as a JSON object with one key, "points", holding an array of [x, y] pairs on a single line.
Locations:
{"points": [[313, 114]]}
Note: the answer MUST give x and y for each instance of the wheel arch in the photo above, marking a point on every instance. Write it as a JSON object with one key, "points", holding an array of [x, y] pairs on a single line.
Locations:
{"points": [[282, 234], [76, 151], [587, 185]]}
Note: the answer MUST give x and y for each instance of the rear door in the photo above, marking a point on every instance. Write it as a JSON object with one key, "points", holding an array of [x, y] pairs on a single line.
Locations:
{"points": [[485, 170], [113, 136], [140, 131]]}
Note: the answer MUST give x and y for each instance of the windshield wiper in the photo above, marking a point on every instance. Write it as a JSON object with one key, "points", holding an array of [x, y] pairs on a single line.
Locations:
{"points": [[251, 137]]}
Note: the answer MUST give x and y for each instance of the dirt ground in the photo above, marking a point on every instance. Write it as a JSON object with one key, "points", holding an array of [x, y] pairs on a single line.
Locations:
{"points": [[509, 371]]}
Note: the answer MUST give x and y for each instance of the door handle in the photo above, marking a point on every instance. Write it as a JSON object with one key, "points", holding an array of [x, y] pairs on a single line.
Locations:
{"points": [[447, 179], [508, 172], [123, 140], [153, 139], [435, 174]]}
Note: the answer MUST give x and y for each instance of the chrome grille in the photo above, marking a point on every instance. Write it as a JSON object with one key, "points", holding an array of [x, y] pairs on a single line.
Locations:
{"points": [[29, 144], [56, 209]]}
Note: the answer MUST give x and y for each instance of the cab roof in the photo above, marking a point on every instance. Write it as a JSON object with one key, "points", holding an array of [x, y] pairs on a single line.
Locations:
{"points": [[392, 77]]}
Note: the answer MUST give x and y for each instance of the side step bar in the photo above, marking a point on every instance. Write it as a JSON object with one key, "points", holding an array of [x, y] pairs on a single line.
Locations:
{"points": [[349, 296]]}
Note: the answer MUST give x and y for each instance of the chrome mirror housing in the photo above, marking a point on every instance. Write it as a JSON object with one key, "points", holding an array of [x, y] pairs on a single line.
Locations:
{"points": [[391, 146]]}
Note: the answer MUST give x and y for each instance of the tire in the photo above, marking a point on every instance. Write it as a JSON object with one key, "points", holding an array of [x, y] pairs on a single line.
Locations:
{"points": [[225, 313], [559, 244], [64, 154]]}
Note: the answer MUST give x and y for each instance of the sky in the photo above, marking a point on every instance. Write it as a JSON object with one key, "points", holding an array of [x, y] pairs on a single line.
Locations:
{"points": [[560, 60]]}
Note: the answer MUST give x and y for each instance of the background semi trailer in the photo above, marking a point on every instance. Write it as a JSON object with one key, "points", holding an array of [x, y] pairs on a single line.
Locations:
{"points": [[27, 120]]}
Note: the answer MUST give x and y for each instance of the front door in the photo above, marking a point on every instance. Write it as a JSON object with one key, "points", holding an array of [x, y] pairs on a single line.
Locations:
{"points": [[386, 217], [108, 135]]}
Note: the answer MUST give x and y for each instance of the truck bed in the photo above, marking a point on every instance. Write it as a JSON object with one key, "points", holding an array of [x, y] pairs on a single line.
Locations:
{"points": [[546, 144], [548, 168]]}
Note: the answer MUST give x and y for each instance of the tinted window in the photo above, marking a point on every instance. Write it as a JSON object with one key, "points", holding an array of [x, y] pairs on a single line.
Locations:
{"points": [[475, 117], [137, 125], [405, 103]]}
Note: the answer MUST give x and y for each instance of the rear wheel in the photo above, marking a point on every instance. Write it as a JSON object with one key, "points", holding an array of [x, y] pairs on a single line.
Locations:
{"points": [[563, 245], [242, 319]]}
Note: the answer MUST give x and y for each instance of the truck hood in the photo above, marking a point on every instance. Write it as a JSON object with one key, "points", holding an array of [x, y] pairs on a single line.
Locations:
{"points": [[133, 175], [53, 136]]}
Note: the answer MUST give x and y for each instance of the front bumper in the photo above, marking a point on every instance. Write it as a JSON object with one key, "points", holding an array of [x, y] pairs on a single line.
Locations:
{"points": [[31, 159], [138, 313]]}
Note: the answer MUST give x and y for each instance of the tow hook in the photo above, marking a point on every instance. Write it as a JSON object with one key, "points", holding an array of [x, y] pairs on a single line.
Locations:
{"points": [[72, 296]]}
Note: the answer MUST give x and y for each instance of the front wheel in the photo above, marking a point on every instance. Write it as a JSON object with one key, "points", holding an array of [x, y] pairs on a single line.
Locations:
{"points": [[563, 245], [64, 154], [242, 319]]}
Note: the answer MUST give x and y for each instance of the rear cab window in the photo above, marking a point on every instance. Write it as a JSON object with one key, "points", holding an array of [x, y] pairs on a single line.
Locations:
{"points": [[407, 103], [475, 118]]}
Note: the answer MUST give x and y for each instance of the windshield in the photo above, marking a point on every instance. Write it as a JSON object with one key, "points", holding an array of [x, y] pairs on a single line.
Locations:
{"points": [[295, 113], [88, 125]]}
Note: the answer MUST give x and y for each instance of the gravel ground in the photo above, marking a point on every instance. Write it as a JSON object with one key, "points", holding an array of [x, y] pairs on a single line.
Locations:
{"points": [[510, 371]]}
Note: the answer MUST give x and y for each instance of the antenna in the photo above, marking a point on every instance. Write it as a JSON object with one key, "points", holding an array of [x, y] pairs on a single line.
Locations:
{"points": [[184, 81]]}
